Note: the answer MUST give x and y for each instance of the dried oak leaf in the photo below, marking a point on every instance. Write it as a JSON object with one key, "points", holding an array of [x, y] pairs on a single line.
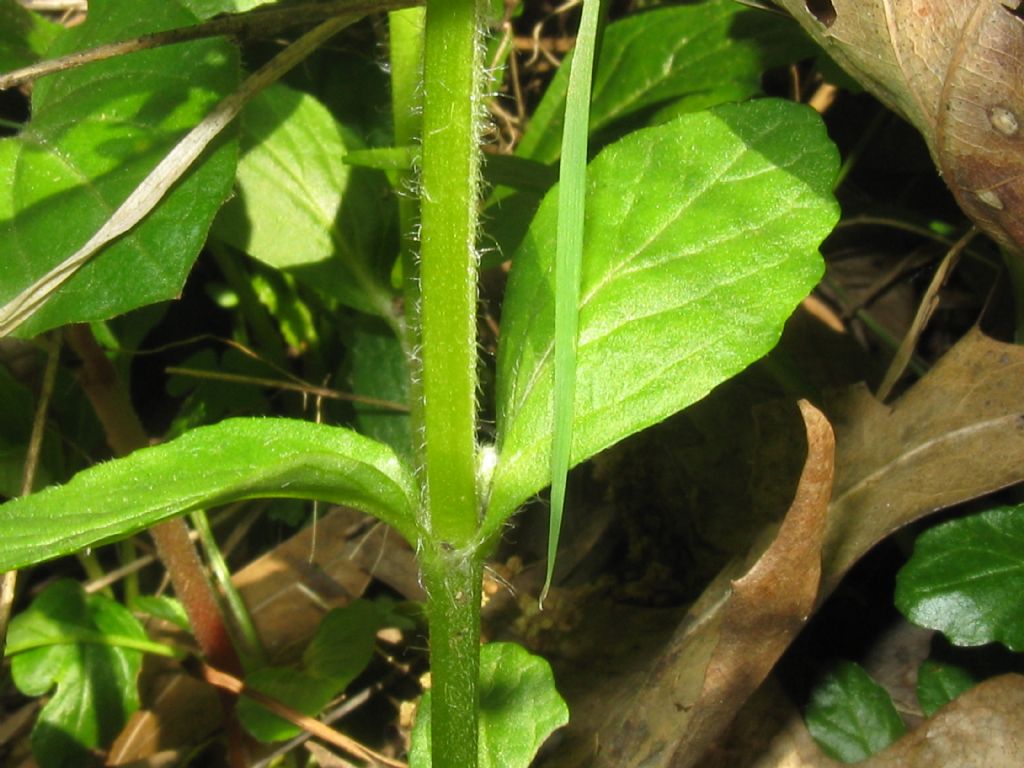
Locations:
{"points": [[952, 68], [957, 434], [733, 635]]}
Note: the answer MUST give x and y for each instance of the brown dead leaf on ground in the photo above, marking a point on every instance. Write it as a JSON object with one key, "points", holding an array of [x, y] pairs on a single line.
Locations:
{"points": [[952, 69], [287, 595], [954, 436], [733, 636], [982, 728]]}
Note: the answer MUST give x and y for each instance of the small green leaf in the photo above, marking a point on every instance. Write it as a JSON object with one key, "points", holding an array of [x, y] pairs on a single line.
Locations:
{"points": [[851, 716], [966, 577], [24, 36], [96, 682], [204, 9], [209, 466], [938, 684], [704, 52], [162, 607], [300, 207], [96, 132], [379, 370], [701, 238], [519, 709], [340, 650]]}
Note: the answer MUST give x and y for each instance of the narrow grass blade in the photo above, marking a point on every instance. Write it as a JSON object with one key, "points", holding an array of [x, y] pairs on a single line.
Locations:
{"points": [[568, 258]]}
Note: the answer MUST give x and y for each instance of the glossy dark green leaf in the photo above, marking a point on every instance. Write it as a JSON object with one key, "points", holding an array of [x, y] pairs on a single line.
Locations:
{"points": [[96, 132], [95, 681], [701, 238], [519, 709], [233, 460], [339, 651], [704, 53], [938, 684], [966, 578], [851, 716]]}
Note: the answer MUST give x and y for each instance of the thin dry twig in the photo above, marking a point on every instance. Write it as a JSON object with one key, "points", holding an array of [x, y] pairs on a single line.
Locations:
{"points": [[318, 729], [925, 309], [9, 580], [305, 389]]}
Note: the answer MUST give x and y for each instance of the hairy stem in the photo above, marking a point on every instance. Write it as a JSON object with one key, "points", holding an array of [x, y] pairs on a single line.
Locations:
{"points": [[449, 194], [452, 580]]}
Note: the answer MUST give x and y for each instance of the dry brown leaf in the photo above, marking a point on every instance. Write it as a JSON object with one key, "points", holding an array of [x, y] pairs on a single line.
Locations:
{"points": [[954, 436], [982, 727], [953, 69], [733, 636]]}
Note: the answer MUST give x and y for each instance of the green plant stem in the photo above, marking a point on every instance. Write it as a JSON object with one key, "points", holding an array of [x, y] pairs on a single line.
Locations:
{"points": [[452, 580], [406, 57], [449, 192], [449, 185]]}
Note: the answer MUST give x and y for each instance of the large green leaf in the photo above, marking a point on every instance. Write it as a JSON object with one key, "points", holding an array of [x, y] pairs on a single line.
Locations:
{"points": [[706, 53], [300, 207], [519, 708], [236, 459], [701, 238], [73, 641], [95, 133], [966, 578]]}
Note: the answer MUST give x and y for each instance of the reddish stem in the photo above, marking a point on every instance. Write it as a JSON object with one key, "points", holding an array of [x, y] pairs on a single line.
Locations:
{"points": [[125, 433]]}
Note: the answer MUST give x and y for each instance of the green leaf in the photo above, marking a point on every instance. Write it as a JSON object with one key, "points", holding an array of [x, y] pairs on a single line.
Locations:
{"points": [[24, 36], [162, 607], [706, 52], [701, 238], [938, 684], [338, 653], [236, 459], [966, 577], [96, 132], [519, 709], [851, 716], [204, 9], [96, 682], [300, 207], [379, 370]]}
